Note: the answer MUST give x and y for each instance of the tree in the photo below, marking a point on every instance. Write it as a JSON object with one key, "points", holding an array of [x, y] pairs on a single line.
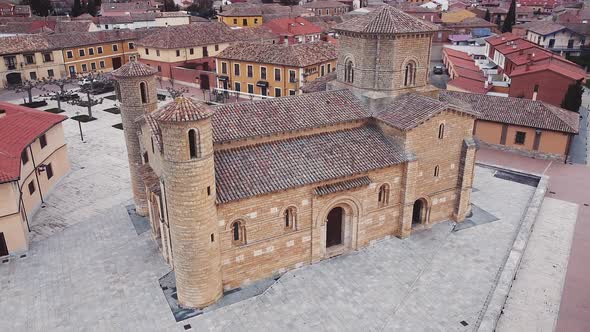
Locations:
{"points": [[170, 6], [77, 9], [573, 97], [203, 8], [39, 7], [61, 94], [498, 20], [26, 86], [90, 80], [510, 18], [91, 7], [488, 16]]}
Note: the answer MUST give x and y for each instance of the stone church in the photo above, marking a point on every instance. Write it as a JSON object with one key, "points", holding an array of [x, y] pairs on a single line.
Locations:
{"points": [[245, 191]]}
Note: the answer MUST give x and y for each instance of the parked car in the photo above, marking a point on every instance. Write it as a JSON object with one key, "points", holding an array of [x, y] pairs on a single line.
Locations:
{"points": [[438, 70], [85, 81]]}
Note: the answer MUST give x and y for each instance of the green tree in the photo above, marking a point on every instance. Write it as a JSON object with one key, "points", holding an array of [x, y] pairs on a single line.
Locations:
{"points": [[203, 8], [77, 9], [573, 97], [39, 7], [91, 7], [510, 18], [170, 6], [498, 20], [488, 16]]}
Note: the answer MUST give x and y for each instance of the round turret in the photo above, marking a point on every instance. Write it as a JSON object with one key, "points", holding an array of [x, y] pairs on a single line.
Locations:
{"points": [[189, 181], [136, 90]]}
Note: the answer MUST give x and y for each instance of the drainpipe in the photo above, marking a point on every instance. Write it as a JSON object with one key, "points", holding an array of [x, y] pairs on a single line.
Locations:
{"points": [[21, 204], [36, 174]]}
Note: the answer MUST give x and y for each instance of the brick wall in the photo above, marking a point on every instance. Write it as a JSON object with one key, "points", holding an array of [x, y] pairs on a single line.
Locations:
{"points": [[552, 86]]}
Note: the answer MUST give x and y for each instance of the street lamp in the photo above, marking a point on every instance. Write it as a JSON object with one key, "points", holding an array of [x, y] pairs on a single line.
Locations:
{"points": [[80, 126]]}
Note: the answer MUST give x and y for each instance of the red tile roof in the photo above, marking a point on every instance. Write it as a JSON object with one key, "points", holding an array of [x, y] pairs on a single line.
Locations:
{"points": [[469, 85], [19, 127], [386, 20], [551, 66], [134, 69], [293, 27], [503, 38], [295, 55], [183, 109]]}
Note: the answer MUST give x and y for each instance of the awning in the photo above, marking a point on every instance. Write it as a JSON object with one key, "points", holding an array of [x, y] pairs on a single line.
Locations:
{"points": [[262, 84]]}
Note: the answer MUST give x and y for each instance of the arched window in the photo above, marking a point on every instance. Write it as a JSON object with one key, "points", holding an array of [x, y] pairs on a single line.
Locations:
{"points": [[441, 131], [144, 94], [410, 74], [436, 170], [383, 198], [194, 143], [237, 231], [290, 218], [349, 71]]}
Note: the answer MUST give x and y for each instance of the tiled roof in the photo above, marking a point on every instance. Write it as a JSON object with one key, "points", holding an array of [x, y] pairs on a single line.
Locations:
{"points": [[342, 186], [133, 69], [270, 167], [183, 109], [386, 20], [553, 66], [411, 109], [503, 38], [293, 26], [295, 55], [241, 10], [471, 22], [188, 35], [469, 85], [24, 43], [81, 38], [518, 111], [319, 84], [19, 127], [285, 114], [155, 129], [545, 27], [150, 179]]}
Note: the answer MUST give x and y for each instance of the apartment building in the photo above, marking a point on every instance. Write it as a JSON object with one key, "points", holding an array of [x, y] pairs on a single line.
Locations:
{"points": [[274, 70]]}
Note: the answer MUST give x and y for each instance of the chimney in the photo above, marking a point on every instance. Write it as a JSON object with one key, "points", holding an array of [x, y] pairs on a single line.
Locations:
{"points": [[2, 113], [486, 84]]}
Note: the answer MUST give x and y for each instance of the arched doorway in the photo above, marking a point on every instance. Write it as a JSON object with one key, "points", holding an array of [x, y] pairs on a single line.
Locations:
{"points": [[334, 227], [420, 212], [13, 79]]}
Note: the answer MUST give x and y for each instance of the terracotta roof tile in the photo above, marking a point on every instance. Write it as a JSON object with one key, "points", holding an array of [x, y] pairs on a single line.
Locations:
{"points": [[386, 20], [183, 109], [518, 111], [296, 55], [293, 26], [342, 186], [270, 167], [319, 84], [133, 69], [285, 114]]}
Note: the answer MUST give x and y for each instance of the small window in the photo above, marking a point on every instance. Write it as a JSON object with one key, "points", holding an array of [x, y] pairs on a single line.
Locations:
{"points": [[43, 141], [245, 22], [24, 157], [277, 74], [115, 48], [292, 76], [237, 229], [90, 51], [441, 131], [159, 68], [33, 76], [290, 218], [143, 91], [250, 71], [250, 88], [436, 169], [329, 66], [212, 237], [520, 137], [194, 143], [383, 196], [238, 86], [177, 52], [99, 50], [237, 69], [216, 48], [322, 70], [153, 147], [93, 66], [255, 21], [84, 67], [69, 54], [101, 64], [349, 72], [147, 51], [82, 52], [410, 74], [235, 21], [31, 188], [277, 92], [49, 171], [292, 92], [50, 73], [536, 88], [262, 73], [47, 57], [146, 158], [131, 46], [191, 51], [157, 52], [208, 190]]}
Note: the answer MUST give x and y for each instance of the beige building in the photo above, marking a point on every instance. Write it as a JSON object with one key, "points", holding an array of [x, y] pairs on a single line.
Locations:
{"points": [[245, 191], [33, 158], [28, 57]]}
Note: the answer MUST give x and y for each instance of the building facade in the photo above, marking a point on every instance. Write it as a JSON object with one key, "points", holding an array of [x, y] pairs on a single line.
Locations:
{"points": [[246, 191], [275, 70], [33, 158]]}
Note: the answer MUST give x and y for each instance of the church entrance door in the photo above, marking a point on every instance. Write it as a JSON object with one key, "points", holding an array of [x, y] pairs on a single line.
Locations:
{"points": [[334, 227], [419, 212]]}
